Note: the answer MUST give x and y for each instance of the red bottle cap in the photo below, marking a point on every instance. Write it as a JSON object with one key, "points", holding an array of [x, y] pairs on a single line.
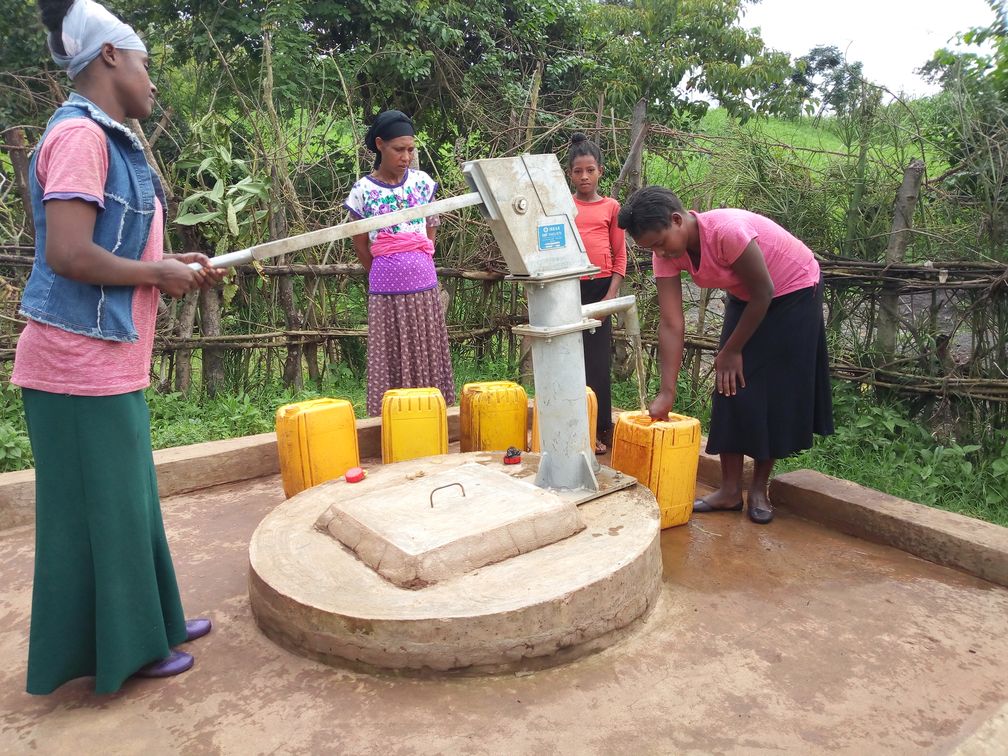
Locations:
{"points": [[355, 475]]}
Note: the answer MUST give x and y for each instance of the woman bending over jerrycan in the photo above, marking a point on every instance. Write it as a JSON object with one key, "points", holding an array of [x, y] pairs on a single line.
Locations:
{"points": [[771, 385]]}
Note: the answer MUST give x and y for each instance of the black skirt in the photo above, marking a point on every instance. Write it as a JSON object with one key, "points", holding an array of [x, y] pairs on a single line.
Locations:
{"points": [[787, 396], [598, 354]]}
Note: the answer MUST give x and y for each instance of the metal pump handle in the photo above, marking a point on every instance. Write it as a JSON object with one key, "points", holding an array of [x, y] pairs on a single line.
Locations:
{"points": [[341, 231]]}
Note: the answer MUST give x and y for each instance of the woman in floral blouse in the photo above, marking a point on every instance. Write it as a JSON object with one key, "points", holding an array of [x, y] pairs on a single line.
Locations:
{"points": [[407, 338]]}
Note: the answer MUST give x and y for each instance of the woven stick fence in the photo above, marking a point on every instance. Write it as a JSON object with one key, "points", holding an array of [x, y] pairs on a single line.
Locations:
{"points": [[983, 280]]}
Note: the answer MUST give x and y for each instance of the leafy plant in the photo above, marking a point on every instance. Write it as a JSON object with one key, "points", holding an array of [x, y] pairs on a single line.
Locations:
{"points": [[878, 445], [231, 209], [15, 450]]}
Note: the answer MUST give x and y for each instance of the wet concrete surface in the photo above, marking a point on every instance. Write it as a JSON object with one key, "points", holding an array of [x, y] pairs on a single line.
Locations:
{"points": [[787, 638]]}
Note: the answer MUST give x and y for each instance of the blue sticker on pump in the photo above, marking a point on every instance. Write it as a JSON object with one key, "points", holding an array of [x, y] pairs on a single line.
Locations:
{"points": [[552, 236]]}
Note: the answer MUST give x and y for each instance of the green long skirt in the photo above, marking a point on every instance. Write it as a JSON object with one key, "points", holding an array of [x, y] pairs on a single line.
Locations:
{"points": [[104, 601]]}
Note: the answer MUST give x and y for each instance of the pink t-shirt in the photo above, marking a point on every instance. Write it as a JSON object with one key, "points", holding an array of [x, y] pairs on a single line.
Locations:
{"points": [[73, 163], [724, 235], [604, 240]]}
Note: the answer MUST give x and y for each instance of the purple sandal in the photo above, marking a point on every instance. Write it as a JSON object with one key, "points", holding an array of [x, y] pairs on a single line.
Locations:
{"points": [[197, 628], [175, 663]]}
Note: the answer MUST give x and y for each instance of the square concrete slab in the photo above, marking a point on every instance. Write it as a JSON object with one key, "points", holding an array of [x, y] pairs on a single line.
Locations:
{"points": [[427, 525]]}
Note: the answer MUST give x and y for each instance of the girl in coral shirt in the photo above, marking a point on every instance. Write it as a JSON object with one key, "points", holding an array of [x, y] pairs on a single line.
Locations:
{"points": [[605, 244]]}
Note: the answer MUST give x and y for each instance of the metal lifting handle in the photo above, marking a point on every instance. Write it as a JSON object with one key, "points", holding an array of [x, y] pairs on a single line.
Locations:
{"points": [[607, 307], [341, 231], [439, 488]]}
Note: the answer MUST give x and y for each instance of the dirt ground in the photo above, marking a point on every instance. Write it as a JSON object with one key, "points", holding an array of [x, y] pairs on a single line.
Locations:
{"points": [[787, 638]]}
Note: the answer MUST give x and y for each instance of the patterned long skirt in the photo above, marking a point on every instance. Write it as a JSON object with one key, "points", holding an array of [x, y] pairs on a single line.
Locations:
{"points": [[407, 346]]}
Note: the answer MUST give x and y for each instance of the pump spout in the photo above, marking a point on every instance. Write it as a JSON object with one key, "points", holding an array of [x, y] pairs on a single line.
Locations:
{"points": [[627, 305]]}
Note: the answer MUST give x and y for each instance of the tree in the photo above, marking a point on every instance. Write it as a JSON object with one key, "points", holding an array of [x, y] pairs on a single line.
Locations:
{"points": [[678, 55], [826, 79], [987, 70], [970, 120], [25, 91], [448, 64]]}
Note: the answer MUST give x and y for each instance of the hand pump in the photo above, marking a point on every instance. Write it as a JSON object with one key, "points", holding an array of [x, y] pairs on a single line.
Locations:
{"points": [[531, 213]]}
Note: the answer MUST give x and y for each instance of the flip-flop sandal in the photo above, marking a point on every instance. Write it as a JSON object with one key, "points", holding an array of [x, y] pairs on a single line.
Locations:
{"points": [[761, 515], [702, 506], [600, 449]]}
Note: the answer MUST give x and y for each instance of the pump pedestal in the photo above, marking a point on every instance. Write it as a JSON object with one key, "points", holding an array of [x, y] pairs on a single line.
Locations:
{"points": [[312, 595]]}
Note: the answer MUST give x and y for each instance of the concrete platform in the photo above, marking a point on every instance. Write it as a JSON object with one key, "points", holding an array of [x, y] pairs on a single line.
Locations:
{"points": [[483, 515], [977, 547], [526, 608], [789, 638]]}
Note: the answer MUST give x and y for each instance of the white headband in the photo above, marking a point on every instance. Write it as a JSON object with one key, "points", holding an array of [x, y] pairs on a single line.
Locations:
{"points": [[86, 27]]}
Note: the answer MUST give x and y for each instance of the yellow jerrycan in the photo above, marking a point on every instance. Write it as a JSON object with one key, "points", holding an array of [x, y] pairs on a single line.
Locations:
{"points": [[663, 455], [316, 442], [414, 424], [493, 415]]}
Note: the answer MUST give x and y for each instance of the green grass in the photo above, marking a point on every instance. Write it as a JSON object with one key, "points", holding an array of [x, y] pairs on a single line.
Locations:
{"points": [[805, 173], [876, 445], [699, 167], [811, 144], [896, 129], [807, 133]]}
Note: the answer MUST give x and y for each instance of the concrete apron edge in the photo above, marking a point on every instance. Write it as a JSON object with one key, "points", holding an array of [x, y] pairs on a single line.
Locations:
{"points": [[989, 738], [974, 546]]}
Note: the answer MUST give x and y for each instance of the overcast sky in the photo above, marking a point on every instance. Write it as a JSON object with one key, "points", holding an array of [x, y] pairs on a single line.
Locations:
{"points": [[892, 38]]}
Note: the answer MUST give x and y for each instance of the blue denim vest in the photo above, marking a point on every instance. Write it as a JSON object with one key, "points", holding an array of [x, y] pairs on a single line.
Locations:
{"points": [[122, 227]]}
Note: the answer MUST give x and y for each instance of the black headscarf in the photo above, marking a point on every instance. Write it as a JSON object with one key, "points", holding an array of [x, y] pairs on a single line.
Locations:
{"points": [[388, 124]]}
